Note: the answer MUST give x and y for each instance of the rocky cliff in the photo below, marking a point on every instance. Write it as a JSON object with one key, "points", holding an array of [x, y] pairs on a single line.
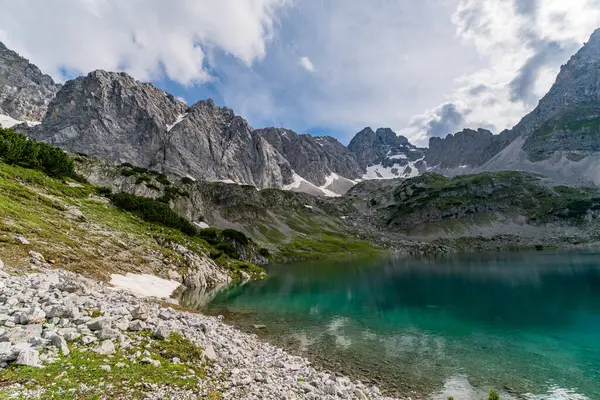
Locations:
{"points": [[466, 149], [113, 116], [322, 160], [24, 91], [385, 155]]}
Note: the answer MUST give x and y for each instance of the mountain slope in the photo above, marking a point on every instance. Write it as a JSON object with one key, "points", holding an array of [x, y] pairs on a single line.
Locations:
{"points": [[322, 161], [561, 137], [385, 155], [24, 91], [113, 116]]}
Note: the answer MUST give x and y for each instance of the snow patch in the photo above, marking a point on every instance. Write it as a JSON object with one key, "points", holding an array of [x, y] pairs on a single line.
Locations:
{"points": [[309, 207], [296, 183], [180, 118], [329, 180], [191, 177], [380, 172], [299, 182], [398, 157], [202, 225], [8, 122], [144, 285]]}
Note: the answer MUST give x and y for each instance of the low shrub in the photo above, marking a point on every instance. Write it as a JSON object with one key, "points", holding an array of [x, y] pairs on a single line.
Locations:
{"points": [[104, 191], [236, 236], [127, 172], [153, 211], [264, 252], [187, 181], [16, 149], [142, 179], [163, 179]]}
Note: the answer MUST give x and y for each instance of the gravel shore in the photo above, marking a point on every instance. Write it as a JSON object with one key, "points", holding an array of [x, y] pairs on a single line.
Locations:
{"points": [[49, 316]]}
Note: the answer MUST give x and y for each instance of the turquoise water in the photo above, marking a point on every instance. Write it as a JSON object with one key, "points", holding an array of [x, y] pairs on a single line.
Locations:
{"points": [[527, 325]]}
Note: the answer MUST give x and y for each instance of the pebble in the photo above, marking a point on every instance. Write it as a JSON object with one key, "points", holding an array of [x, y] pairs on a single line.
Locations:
{"points": [[21, 240], [54, 306]]}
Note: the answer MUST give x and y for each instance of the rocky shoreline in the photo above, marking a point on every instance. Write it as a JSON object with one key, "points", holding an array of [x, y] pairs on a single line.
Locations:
{"points": [[48, 318]]}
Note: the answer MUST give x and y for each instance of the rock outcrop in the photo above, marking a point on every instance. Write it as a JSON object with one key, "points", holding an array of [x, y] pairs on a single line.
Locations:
{"points": [[322, 160], [385, 155], [560, 138], [115, 117], [467, 149], [25, 91]]}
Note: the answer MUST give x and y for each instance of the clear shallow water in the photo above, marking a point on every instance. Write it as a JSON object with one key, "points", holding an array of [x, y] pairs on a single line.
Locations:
{"points": [[527, 325]]}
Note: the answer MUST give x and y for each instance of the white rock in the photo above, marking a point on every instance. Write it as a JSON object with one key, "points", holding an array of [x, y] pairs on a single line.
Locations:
{"points": [[61, 344], [22, 240], [162, 332], [107, 347], [7, 352], [140, 312], [22, 334], [98, 324], [37, 256], [28, 357], [137, 325], [148, 360], [85, 340], [209, 353], [105, 368]]}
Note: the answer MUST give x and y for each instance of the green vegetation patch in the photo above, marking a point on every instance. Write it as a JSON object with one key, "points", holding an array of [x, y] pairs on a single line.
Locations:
{"points": [[16, 149], [321, 248], [153, 211], [84, 375], [432, 197]]}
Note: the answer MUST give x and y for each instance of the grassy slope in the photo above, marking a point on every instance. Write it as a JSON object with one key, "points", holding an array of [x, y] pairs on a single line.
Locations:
{"points": [[106, 240], [275, 219], [79, 375]]}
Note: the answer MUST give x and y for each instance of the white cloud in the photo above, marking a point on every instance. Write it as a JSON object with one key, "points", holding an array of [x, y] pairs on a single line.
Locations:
{"points": [[524, 51], [147, 38], [307, 64]]}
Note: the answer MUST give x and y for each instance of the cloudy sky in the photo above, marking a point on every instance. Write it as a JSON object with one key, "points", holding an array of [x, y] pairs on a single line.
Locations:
{"points": [[422, 67]]}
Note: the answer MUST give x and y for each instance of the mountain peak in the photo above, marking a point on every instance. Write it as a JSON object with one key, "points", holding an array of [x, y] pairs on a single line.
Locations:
{"points": [[25, 91]]}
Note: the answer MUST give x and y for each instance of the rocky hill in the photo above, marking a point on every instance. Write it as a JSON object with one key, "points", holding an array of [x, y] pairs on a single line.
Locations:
{"points": [[25, 91], [560, 139], [113, 116], [385, 155], [322, 161]]}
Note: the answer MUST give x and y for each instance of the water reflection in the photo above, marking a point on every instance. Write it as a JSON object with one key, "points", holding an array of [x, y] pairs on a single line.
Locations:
{"points": [[518, 320]]}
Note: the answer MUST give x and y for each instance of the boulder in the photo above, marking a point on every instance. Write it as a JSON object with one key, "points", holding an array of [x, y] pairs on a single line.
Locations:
{"points": [[28, 357], [22, 334], [209, 353], [107, 347], [162, 332], [98, 324], [137, 325]]}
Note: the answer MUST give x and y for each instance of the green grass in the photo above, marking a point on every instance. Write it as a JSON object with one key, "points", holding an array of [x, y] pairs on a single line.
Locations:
{"points": [[36, 206], [431, 197], [66, 378], [314, 248]]}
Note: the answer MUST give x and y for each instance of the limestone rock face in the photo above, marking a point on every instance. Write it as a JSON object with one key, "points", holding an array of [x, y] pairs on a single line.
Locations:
{"points": [[313, 158], [385, 155], [25, 91], [468, 148], [113, 116]]}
